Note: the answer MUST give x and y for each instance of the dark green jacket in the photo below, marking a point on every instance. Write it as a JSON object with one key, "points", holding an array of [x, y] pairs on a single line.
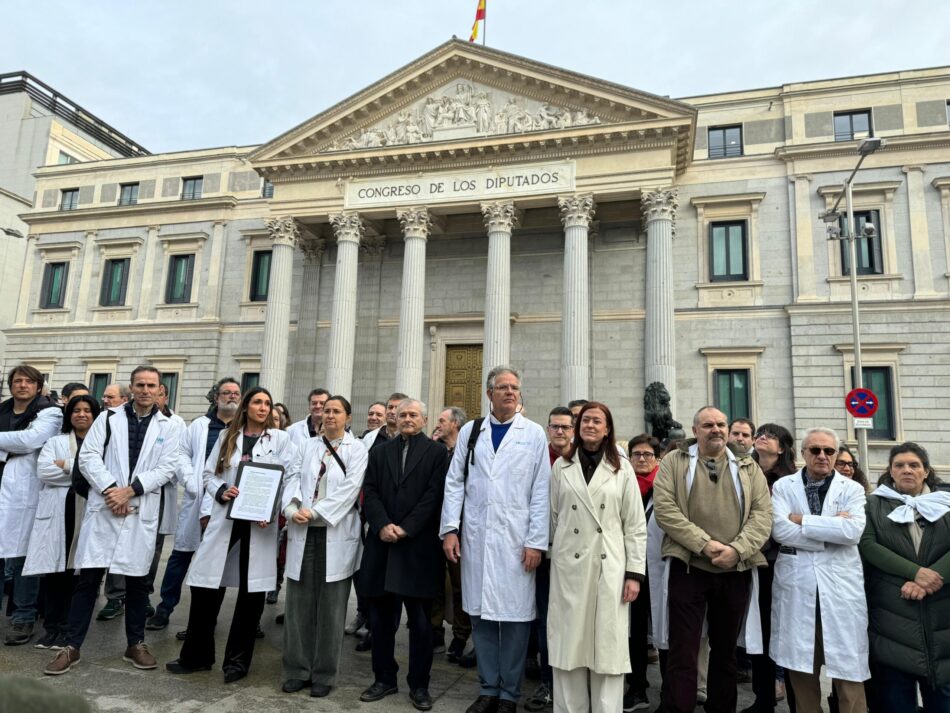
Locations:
{"points": [[913, 637]]}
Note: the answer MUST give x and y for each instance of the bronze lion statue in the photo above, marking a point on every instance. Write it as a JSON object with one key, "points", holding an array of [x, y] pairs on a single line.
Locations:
{"points": [[657, 414]]}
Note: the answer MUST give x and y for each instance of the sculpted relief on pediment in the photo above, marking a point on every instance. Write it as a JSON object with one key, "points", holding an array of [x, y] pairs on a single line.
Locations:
{"points": [[464, 110]]}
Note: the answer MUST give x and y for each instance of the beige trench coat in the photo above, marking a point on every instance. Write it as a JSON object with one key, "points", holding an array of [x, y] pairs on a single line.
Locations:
{"points": [[598, 533]]}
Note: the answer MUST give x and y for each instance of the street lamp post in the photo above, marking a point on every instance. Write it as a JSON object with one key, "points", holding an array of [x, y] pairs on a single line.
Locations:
{"points": [[832, 217]]}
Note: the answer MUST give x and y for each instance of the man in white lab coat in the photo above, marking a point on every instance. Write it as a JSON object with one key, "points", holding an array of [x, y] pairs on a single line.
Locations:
{"points": [[501, 537], [129, 454], [302, 431]]}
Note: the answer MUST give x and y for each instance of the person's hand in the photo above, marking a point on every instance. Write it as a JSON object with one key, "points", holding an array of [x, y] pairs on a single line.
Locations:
{"points": [[301, 517], [929, 580], [121, 510], [400, 533], [118, 496], [727, 558], [388, 533], [795, 517], [531, 558], [631, 590], [913, 591], [844, 514], [263, 524], [230, 493], [451, 548], [713, 548], [60, 463], [204, 522]]}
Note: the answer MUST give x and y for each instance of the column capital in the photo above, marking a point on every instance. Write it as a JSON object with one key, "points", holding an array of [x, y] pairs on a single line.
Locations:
{"points": [[911, 168], [283, 231], [577, 210], [415, 222], [348, 227], [500, 215], [313, 249], [373, 245], [660, 204]]}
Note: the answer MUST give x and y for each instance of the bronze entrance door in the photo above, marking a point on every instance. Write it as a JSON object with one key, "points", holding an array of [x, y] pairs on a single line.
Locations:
{"points": [[463, 378]]}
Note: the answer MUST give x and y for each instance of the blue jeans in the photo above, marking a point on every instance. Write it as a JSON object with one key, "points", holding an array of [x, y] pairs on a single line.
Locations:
{"points": [[500, 650], [896, 692], [175, 571], [26, 591]]}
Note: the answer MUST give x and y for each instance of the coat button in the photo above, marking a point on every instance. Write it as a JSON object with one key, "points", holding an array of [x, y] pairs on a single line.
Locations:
{"points": [[577, 556], [603, 557], [603, 507], [599, 531], [576, 530], [573, 507]]}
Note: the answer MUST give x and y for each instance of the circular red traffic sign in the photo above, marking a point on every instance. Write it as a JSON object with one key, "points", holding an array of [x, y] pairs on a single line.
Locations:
{"points": [[861, 403]]}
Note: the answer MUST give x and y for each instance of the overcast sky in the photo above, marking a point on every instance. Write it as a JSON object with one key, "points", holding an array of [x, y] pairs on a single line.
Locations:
{"points": [[176, 75]]}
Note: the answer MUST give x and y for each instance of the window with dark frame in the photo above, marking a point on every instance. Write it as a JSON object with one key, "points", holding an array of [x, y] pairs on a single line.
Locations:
{"points": [[128, 194], [727, 251], [98, 384], [69, 199], [115, 282], [725, 141], [879, 379], [170, 379], [53, 289], [249, 380], [267, 190], [868, 250], [260, 275], [732, 393], [851, 125], [180, 273], [191, 188]]}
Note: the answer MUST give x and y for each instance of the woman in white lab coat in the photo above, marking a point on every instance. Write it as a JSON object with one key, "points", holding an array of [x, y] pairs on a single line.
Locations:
{"points": [[235, 553]]}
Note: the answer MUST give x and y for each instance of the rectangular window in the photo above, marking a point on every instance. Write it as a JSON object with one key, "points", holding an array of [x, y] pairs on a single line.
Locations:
{"points": [[53, 290], [879, 380], [115, 280], [180, 273], [268, 189], [98, 384], [731, 389], [191, 188], [249, 380], [129, 194], [260, 275], [69, 199], [868, 250], [725, 141], [65, 159], [727, 251], [851, 125], [170, 379]]}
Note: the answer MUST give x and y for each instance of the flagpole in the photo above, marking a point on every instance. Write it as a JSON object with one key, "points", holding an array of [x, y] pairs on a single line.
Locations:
{"points": [[485, 25]]}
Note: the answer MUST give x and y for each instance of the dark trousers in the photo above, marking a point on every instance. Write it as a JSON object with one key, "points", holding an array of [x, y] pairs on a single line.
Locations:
{"points": [[383, 623], [639, 638], [542, 594], [763, 668], [57, 597], [84, 601], [198, 649], [691, 593], [896, 692], [175, 570]]}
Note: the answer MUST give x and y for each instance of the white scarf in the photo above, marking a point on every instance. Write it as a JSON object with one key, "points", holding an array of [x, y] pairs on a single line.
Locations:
{"points": [[931, 506]]}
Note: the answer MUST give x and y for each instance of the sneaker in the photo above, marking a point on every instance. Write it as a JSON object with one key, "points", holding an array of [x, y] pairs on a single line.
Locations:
{"points": [[779, 690], [140, 657], [111, 610], [47, 641], [65, 660], [541, 699], [635, 701], [62, 641], [356, 623], [364, 644], [362, 632], [271, 597], [19, 634], [701, 696], [158, 621]]}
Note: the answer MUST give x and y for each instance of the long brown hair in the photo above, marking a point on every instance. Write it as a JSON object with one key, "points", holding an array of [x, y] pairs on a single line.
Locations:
{"points": [[609, 445], [229, 440]]}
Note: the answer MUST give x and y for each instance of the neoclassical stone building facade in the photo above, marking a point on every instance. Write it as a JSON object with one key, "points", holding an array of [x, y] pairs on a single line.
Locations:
{"points": [[475, 208]]}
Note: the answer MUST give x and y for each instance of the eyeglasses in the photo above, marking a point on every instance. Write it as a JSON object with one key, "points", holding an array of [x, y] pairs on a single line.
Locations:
{"points": [[711, 469], [845, 464], [559, 427], [766, 434], [816, 451], [642, 455], [507, 387]]}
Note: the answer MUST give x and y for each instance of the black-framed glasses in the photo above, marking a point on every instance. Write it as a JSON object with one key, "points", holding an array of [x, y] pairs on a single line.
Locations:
{"points": [[711, 469], [765, 434], [642, 455], [845, 464], [559, 427], [816, 451]]}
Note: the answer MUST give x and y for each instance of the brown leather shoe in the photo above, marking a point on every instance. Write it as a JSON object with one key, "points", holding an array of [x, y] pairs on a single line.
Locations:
{"points": [[140, 657], [65, 660]]}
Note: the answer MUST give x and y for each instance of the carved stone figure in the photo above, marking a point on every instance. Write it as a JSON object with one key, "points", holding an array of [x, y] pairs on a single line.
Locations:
{"points": [[658, 415]]}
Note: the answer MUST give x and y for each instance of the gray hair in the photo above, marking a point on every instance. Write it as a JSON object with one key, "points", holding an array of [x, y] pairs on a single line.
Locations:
{"points": [[422, 406], [124, 391], [823, 430], [498, 371], [706, 408], [457, 415]]}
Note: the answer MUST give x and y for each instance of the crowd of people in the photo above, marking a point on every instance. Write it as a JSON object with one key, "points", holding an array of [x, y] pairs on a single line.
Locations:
{"points": [[598, 553]]}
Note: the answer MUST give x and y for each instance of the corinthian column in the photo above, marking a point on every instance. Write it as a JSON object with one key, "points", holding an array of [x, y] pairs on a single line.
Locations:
{"points": [[500, 219], [415, 227], [576, 214], [348, 229], [284, 238], [659, 355]]}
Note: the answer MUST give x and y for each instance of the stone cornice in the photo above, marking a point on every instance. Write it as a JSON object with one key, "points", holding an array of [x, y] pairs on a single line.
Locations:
{"points": [[833, 149], [727, 199], [834, 189], [200, 205]]}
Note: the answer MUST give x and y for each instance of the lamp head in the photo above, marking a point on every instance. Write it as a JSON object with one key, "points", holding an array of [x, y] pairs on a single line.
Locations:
{"points": [[870, 145]]}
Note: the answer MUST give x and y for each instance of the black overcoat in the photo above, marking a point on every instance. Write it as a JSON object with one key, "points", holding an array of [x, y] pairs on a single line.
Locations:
{"points": [[412, 499]]}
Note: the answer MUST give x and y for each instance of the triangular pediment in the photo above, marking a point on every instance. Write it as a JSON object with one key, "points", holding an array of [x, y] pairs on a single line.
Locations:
{"points": [[461, 94]]}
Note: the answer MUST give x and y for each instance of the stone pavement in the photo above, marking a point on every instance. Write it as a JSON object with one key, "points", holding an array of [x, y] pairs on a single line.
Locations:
{"points": [[111, 684]]}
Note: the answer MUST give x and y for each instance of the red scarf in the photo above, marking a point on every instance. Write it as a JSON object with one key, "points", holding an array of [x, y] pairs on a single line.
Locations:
{"points": [[646, 481]]}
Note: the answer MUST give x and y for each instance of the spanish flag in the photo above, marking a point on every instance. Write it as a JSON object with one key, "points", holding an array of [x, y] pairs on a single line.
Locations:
{"points": [[479, 17]]}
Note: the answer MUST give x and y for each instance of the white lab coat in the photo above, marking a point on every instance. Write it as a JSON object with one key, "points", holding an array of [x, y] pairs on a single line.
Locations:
{"points": [[506, 501], [195, 502], [827, 563], [124, 544], [47, 550], [299, 432], [338, 509], [214, 565], [19, 487], [369, 438], [169, 521]]}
